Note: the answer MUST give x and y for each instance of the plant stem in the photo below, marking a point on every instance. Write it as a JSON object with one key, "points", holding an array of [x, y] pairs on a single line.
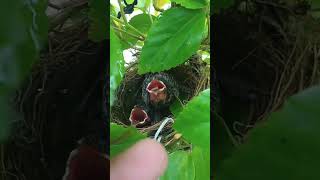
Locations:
{"points": [[123, 15], [129, 26], [130, 34]]}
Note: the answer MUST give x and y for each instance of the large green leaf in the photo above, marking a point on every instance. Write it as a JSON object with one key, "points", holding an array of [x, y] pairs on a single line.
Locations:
{"points": [[184, 165], [121, 138], [286, 146], [99, 19], [180, 167], [194, 120], [192, 4], [24, 30], [116, 64], [172, 39]]}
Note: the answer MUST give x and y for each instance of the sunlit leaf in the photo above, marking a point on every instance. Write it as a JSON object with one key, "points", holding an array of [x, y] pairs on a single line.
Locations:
{"points": [[116, 64], [194, 120], [172, 39]]}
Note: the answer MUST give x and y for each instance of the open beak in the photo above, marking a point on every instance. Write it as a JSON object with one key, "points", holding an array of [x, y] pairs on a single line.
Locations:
{"points": [[155, 87], [138, 116]]}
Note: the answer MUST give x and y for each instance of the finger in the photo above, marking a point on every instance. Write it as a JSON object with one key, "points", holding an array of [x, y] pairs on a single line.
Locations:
{"points": [[146, 160]]}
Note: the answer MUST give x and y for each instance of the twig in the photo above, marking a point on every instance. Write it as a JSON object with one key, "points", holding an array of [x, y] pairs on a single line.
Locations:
{"points": [[122, 12], [130, 34], [129, 26]]}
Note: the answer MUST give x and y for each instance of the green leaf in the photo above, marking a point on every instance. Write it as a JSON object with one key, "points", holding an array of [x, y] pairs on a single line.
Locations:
{"points": [[116, 64], [24, 30], [142, 23], [122, 138], [221, 4], [185, 165], [99, 19], [201, 161], [144, 4], [194, 121], [285, 146], [192, 4], [172, 39], [180, 167]]}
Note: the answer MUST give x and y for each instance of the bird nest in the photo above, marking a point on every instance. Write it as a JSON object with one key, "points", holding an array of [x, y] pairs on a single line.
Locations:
{"points": [[59, 103], [264, 52], [193, 76]]}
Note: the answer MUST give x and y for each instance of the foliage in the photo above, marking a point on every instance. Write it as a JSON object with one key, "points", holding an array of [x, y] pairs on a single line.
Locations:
{"points": [[167, 38], [22, 36], [122, 138], [172, 39], [285, 147], [98, 16]]}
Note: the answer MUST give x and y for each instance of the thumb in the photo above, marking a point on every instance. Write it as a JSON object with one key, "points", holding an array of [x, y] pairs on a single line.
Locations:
{"points": [[146, 160]]}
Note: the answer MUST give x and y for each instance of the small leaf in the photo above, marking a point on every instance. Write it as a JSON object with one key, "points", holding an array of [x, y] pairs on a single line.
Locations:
{"points": [[192, 4], [122, 138], [285, 146], [99, 19], [172, 39], [116, 64], [194, 120], [180, 167], [142, 23]]}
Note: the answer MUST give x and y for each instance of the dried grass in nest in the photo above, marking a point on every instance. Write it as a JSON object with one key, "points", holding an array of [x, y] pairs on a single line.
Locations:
{"points": [[193, 76], [293, 60]]}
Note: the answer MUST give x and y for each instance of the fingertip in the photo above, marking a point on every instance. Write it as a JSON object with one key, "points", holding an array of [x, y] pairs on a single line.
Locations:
{"points": [[145, 160]]}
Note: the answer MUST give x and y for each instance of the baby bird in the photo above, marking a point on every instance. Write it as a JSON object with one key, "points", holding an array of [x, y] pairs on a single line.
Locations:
{"points": [[88, 161], [159, 90], [139, 116]]}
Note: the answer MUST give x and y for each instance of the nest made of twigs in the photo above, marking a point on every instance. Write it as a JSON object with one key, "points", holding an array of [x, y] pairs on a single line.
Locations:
{"points": [[193, 76]]}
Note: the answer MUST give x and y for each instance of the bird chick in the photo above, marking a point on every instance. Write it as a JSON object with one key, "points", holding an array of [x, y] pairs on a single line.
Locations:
{"points": [[87, 162], [159, 90], [139, 115]]}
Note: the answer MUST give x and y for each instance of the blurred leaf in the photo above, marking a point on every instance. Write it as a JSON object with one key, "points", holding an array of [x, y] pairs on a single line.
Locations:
{"points": [[116, 64], [194, 120], [144, 4], [185, 165], [221, 142], [161, 3], [129, 1], [24, 28], [221, 4], [173, 38], [286, 146], [180, 167], [192, 4], [121, 138], [99, 19]]}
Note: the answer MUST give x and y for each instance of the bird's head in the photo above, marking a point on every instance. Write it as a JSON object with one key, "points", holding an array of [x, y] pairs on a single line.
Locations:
{"points": [[157, 91], [138, 116]]}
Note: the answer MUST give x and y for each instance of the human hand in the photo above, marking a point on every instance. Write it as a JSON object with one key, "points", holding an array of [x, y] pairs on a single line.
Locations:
{"points": [[146, 160]]}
